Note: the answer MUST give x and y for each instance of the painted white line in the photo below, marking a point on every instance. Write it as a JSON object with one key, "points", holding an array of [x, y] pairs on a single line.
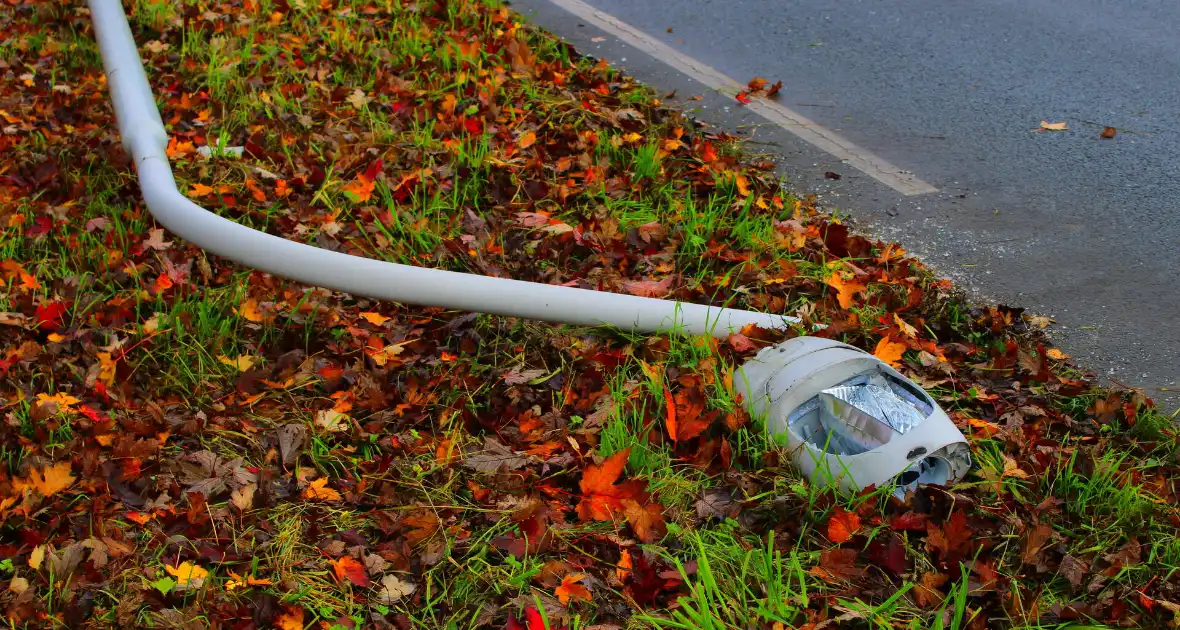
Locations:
{"points": [[785, 117]]}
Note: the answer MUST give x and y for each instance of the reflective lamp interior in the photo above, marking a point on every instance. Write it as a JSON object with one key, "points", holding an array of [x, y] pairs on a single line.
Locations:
{"points": [[865, 412]]}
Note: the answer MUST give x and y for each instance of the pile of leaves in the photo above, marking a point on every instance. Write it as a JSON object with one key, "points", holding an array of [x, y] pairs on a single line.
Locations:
{"points": [[187, 443]]}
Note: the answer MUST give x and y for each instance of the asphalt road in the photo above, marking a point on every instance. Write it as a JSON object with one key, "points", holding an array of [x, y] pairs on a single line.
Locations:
{"points": [[1084, 229]]}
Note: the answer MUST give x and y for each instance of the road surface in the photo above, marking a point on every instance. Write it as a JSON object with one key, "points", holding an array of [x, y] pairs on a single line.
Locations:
{"points": [[1084, 229]]}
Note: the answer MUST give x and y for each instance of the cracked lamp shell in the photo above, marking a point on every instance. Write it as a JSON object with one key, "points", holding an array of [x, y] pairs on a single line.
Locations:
{"points": [[851, 420]]}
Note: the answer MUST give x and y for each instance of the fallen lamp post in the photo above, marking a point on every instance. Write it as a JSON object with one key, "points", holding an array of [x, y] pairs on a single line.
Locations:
{"points": [[849, 419]]}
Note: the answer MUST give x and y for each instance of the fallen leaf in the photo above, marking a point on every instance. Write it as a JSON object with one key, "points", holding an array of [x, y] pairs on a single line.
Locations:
{"points": [[601, 499], [951, 539], [318, 490], [494, 458], [649, 288], [349, 568], [46, 481], [527, 140], [757, 83], [243, 498], [926, 591], [360, 189], [375, 319], [1048, 126], [1056, 355], [250, 311], [241, 364], [1108, 133], [670, 414], [290, 619], [37, 557], [905, 327], [200, 190], [889, 351], [1074, 570], [842, 525], [156, 240], [845, 289], [836, 565], [188, 575], [571, 589], [646, 520], [392, 588]]}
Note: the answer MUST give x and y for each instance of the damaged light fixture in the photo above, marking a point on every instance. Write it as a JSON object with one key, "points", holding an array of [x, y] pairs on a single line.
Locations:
{"points": [[851, 420]]}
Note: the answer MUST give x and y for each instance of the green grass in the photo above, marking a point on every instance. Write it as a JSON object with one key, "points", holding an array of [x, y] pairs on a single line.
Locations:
{"points": [[638, 207]]}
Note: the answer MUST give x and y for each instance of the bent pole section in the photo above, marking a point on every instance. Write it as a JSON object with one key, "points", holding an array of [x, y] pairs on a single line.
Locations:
{"points": [[145, 138]]}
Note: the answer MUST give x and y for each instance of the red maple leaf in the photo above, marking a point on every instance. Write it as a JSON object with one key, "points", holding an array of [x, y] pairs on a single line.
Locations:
{"points": [[50, 315], [743, 97]]}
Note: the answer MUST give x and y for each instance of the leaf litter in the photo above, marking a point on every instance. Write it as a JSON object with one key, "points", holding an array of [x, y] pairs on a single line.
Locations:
{"points": [[188, 439]]}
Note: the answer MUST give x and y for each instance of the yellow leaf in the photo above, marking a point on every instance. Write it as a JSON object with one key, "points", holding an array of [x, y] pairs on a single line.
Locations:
{"points": [[47, 481], [1054, 353], [632, 138], [56, 338], [889, 351], [1048, 126], [909, 330], [527, 140], [250, 310], [375, 319], [37, 557], [188, 574], [106, 369], [743, 185], [241, 364], [318, 490]]}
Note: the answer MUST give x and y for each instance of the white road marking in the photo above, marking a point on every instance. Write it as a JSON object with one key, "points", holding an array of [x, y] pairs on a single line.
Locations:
{"points": [[807, 130]]}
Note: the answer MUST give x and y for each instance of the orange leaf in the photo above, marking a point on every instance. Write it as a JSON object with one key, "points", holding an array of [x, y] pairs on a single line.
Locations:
{"points": [[348, 568], [889, 351], [290, 619], [570, 588], [623, 569], [843, 525], [845, 289], [361, 190], [670, 405], [527, 140], [318, 490], [375, 319], [250, 310], [602, 478], [602, 500], [200, 190]]}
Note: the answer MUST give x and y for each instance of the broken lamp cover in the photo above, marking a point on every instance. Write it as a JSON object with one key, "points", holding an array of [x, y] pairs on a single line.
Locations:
{"points": [[850, 419]]}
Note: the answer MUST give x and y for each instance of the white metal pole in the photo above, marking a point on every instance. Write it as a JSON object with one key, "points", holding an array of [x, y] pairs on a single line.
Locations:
{"points": [[146, 139]]}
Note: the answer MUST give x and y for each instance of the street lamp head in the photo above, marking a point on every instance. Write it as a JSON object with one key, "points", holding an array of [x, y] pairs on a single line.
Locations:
{"points": [[851, 420]]}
